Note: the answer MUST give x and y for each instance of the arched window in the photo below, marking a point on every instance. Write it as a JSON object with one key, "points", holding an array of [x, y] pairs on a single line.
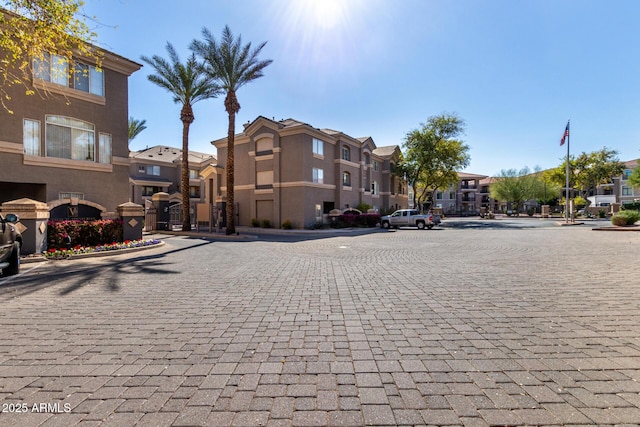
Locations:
{"points": [[264, 146], [346, 179]]}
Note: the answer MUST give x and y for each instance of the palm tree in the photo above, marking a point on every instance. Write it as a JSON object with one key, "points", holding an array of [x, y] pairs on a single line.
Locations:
{"points": [[232, 65], [135, 127], [188, 83]]}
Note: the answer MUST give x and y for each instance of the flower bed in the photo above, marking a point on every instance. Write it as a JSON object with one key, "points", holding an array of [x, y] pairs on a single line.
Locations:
{"points": [[64, 233], [80, 250]]}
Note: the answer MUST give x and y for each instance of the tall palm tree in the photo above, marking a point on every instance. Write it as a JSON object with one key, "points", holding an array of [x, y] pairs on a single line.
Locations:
{"points": [[135, 127], [232, 65], [188, 83]]}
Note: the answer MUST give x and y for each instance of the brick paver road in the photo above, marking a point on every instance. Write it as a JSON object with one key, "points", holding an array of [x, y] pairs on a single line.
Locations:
{"points": [[469, 327]]}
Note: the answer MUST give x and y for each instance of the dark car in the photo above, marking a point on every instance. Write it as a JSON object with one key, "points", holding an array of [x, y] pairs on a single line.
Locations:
{"points": [[10, 243]]}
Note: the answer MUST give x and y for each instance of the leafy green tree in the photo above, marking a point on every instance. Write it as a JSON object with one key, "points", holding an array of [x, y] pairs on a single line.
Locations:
{"points": [[588, 170], [232, 65], [517, 186], [30, 29], [135, 127], [188, 83], [433, 155]]}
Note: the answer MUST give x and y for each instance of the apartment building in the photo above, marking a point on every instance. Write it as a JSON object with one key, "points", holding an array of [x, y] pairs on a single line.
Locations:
{"points": [[69, 148], [467, 197], [624, 190], [290, 170], [159, 169]]}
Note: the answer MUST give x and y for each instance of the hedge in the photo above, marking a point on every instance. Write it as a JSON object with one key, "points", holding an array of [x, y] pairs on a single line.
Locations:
{"points": [[363, 220], [69, 233]]}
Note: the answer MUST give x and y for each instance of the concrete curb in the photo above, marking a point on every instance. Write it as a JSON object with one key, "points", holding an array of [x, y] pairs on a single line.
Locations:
{"points": [[41, 258]]}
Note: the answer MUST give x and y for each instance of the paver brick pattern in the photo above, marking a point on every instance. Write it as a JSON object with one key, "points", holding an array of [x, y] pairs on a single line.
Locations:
{"points": [[444, 327]]}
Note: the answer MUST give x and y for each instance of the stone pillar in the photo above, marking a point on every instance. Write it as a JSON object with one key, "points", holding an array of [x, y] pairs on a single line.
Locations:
{"points": [[615, 208], [161, 203], [132, 216], [33, 223], [545, 211]]}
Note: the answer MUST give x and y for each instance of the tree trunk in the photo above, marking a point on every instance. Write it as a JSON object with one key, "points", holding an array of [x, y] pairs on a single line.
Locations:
{"points": [[186, 115], [232, 106]]}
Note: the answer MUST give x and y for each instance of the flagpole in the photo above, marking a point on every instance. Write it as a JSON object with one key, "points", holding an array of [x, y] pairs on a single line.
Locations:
{"points": [[566, 199]]}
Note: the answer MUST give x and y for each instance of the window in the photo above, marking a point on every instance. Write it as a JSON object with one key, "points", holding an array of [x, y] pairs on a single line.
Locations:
{"points": [[439, 195], [318, 147], [264, 180], [142, 169], [627, 173], [318, 176], [88, 79], [375, 165], [150, 191], [346, 179], [104, 148], [194, 191], [374, 187], [194, 174], [153, 170], [71, 195], [52, 68], [452, 195], [318, 213], [346, 153], [68, 138], [31, 137], [264, 146], [55, 69], [627, 191], [367, 159]]}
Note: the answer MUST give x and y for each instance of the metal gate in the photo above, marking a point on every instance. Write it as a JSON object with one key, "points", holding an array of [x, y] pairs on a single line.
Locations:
{"points": [[150, 216], [175, 215]]}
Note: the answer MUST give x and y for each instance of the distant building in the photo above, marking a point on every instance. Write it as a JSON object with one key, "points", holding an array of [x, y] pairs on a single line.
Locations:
{"points": [[465, 198], [289, 170], [159, 169], [624, 190]]}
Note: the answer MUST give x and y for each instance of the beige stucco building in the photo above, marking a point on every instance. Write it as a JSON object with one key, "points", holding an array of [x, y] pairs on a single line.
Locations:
{"points": [[67, 145], [159, 169], [289, 170]]}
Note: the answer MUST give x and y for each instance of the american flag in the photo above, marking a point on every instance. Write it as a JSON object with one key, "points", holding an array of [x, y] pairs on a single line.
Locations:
{"points": [[565, 135]]}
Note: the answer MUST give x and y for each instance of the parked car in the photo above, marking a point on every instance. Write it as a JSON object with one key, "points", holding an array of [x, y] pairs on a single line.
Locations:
{"points": [[407, 218], [10, 244]]}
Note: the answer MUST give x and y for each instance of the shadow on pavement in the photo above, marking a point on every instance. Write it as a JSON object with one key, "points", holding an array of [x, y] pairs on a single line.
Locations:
{"points": [[83, 275]]}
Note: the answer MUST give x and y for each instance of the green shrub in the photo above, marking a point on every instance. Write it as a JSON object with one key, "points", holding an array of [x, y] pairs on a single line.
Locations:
{"points": [[266, 223], [287, 225], [255, 222], [363, 207], [602, 213], [625, 218], [631, 206]]}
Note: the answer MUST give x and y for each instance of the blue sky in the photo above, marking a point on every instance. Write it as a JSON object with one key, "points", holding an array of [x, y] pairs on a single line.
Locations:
{"points": [[514, 70]]}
